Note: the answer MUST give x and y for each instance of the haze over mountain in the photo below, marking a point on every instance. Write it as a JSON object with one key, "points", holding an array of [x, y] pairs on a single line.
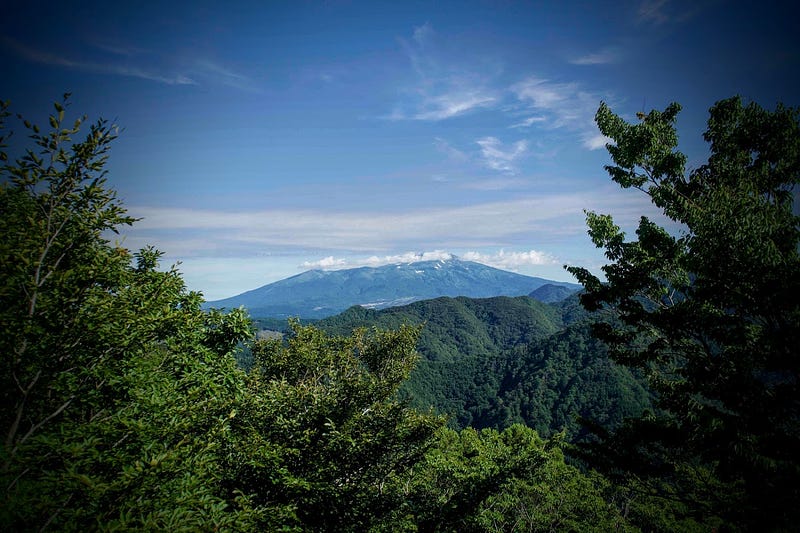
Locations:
{"points": [[320, 293]]}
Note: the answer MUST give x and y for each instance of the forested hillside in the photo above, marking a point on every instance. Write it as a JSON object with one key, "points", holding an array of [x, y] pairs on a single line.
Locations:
{"points": [[489, 363], [463, 345]]}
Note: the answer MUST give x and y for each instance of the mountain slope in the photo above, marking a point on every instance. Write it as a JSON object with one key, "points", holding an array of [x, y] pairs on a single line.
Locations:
{"points": [[462, 345], [496, 361], [318, 294], [551, 293], [455, 327]]}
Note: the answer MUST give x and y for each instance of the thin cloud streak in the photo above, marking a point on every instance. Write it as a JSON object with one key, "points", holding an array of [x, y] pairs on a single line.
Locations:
{"points": [[225, 76], [652, 11], [497, 158], [561, 106], [528, 122], [197, 71], [192, 232], [332, 263], [444, 106], [45, 58], [438, 92], [512, 260], [604, 56], [499, 184]]}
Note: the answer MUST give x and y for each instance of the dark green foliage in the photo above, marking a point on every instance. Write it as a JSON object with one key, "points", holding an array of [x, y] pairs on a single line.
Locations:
{"points": [[711, 315], [512, 480], [319, 433], [555, 382], [462, 345], [115, 383], [498, 361]]}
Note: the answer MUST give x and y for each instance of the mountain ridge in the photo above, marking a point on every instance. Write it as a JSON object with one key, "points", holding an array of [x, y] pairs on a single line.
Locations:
{"points": [[493, 362], [322, 293]]}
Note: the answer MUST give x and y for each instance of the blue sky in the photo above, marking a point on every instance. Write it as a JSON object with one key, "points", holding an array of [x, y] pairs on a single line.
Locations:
{"points": [[261, 139]]}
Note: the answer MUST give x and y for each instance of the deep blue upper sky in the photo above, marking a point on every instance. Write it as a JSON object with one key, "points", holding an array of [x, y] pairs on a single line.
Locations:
{"points": [[263, 138]]}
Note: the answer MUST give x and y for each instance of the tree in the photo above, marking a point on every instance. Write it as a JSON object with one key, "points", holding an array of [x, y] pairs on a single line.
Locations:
{"points": [[510, 480], [711, 315], [116, 386], [320, 433]]}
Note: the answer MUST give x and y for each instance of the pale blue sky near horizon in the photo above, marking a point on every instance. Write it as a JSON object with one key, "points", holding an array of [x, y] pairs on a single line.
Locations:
{"points": [[261, 139]]}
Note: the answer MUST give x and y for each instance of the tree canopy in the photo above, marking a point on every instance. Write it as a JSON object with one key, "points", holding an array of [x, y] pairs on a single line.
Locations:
{"points": [[709, 313], [115, 384]]}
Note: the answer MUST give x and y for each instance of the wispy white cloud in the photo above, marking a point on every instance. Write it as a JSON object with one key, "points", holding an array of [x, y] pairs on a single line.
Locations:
{"points": [[545, 95], [512, 260], [119, 49], [135, 62], [441, 88], [134, 71], [491, 153], [443, 100], [203, 232], [662, 12], [494, 184], [216, 73], [326, 263], [596, 142], [443, 106], [561, 106], [192, 232], [652, 11], [496, 157], [530, 121], [444, 88], [449, 150], [423, 34], [603, 56]]}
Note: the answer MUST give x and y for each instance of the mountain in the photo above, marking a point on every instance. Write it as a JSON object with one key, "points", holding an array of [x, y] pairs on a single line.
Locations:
{"points": [[458, 327], [551, 293], [492, 362], [319, 293]]}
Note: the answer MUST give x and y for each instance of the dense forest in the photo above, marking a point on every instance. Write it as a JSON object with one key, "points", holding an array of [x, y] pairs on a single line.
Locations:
{"points": [[126, 406], [494, 362]]}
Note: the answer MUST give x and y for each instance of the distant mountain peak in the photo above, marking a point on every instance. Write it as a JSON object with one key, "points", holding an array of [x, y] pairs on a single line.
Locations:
{"points": [[320, 293]]}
